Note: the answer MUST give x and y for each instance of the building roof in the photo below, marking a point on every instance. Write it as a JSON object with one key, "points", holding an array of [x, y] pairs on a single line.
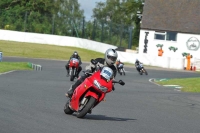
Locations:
{"points": [[172, 15]]}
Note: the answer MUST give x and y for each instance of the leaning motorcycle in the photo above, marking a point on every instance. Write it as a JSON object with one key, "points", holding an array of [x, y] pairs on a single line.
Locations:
{"points": [[91, 92], [73, 68], [142, 69], [121, 69]]}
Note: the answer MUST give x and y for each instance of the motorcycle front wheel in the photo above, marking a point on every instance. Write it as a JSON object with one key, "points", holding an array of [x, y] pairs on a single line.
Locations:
{"points": [[72, 75], [81, 113], [145, 71], [67, 110], [120, 71], [123, 71]]}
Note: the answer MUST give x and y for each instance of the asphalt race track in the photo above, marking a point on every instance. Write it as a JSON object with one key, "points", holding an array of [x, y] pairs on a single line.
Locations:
{"points": [[33, 101]]}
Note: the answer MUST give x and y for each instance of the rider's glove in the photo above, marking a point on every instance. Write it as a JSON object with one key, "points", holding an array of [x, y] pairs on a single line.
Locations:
{"points": [[113, 86], [100, 65], [88, 72]]}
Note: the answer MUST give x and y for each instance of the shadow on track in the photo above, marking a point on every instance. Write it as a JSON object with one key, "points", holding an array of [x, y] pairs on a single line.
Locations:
{"points": [[103, 117]]}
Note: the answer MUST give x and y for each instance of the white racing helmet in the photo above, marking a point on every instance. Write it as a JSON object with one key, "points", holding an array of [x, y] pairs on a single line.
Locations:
{"points": [[75, 54], [110, 56]]}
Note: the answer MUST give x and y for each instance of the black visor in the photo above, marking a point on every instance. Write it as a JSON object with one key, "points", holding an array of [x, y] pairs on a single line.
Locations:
{"points": [[112, 58]]}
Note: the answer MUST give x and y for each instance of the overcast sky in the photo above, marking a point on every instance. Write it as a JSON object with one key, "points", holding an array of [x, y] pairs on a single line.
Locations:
{"points": [[87, 6]]}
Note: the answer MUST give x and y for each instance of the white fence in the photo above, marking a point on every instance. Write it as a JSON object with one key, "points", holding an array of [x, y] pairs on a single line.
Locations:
{"points": [[54, 40]]}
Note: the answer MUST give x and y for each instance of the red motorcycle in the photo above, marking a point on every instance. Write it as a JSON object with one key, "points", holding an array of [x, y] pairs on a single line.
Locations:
{"points": [[91, 92], [73, 68]]}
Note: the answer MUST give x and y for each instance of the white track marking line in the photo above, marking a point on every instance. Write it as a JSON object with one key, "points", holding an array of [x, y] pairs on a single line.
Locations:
{"points": [[6, 72], [151, 80]]}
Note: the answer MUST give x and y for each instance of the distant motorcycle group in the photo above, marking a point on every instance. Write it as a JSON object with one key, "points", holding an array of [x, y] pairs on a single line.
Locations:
{"points": [[139, 67], [74, 67]]}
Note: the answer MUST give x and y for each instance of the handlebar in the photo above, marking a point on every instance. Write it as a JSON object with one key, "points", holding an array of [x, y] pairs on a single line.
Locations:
{"points": [[114, 81], [119, 82]]}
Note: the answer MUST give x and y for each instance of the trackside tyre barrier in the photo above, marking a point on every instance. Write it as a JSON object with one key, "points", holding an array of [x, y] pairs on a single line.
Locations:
{"points": [[1, 56], [35, 66]]}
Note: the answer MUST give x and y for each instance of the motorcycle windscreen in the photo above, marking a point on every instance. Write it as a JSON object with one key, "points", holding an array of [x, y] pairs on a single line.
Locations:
{"points": [[120, 65], [107, 73], [74, 60]]}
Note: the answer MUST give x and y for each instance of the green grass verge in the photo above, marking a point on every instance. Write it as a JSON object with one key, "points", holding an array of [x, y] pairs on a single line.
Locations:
{"points": [[187, 84], [9, 66], [33, 50]]}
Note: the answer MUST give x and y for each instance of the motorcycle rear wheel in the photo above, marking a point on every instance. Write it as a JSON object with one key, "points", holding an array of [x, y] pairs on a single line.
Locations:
{"points": [[87, 108], [67, 110]]}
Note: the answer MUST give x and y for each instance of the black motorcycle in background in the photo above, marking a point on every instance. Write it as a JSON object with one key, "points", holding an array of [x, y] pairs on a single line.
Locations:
{"points": [[121, 69], [141, 69]]}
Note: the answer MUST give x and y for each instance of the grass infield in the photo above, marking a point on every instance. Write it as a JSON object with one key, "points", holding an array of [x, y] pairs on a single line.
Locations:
{"points": [[186, 84], [10, 66]]}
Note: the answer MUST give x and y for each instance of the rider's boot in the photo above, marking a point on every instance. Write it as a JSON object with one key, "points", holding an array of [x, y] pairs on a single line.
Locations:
{"points": [[77, 74], [69, 92], [67, 68], [118, 70], [67, 73], [72, 88], [79, 70]]}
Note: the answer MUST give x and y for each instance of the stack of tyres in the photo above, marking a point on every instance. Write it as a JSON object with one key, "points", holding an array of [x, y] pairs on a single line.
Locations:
{"points": [[1, 56]]}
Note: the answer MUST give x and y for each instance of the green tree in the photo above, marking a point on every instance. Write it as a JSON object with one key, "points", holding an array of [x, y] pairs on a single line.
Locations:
{"points": [[122, 15], [69, 18], [132, 7], [61, 17], [27, 15]]}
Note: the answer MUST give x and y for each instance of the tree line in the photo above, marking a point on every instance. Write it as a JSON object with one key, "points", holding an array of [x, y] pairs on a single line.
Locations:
{"points": [[114, 21]]}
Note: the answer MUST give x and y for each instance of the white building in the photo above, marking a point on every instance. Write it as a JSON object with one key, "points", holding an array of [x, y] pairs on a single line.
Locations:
{"points": [[172, 24]]}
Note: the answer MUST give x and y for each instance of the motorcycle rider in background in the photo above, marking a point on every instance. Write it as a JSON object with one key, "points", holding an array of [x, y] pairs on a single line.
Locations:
{"points": [[137, 64], [117, 64], [109, 60], [74, 55]]}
